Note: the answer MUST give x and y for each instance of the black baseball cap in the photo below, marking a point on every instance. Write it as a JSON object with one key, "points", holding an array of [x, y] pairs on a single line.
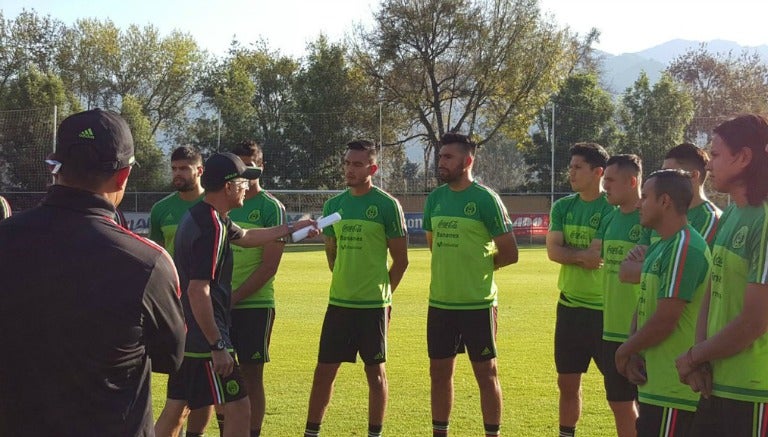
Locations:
{"points": [[221, 168], [95, 140]]}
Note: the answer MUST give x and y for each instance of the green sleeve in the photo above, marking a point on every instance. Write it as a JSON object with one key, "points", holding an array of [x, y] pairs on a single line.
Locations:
{"points": [[155, 232], [328, 209], [600, 234], [426, 222], [495, 217], [756, 253], [394, 220], [683, 269], [275, 215], [556, 217]]}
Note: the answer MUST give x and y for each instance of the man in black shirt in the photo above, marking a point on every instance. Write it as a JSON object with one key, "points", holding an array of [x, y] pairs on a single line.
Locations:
{"points": [[87, 308], [209, 374]]}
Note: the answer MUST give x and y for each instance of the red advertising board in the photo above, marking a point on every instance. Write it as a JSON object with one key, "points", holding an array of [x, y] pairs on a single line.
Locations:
{"points": [[530, 223]]}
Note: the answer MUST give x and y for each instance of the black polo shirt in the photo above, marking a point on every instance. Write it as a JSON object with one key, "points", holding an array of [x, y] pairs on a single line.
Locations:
{"points": [[202, 252], [87, 311]]}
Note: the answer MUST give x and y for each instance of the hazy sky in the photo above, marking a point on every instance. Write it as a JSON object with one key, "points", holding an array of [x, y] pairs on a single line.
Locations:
{"points": [[626, 26]]}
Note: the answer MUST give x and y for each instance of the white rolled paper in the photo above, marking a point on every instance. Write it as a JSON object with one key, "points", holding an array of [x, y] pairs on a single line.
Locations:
{"points": [[322, 222]]}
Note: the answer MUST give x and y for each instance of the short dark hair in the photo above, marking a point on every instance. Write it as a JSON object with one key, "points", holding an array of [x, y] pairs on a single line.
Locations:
{"points": [[750, 131], [690, 158], [629, 162], [249, 148], [366, 146], [676, 184], [187, 153], [593, 153], [87, 179], [466, 143]]}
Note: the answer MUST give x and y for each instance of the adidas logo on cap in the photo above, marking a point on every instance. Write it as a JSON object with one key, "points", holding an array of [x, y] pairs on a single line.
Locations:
{"points": [[88, 133]]}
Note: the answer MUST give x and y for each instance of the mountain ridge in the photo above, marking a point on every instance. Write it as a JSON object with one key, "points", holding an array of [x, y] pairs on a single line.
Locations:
{"points": [[620, 72]]}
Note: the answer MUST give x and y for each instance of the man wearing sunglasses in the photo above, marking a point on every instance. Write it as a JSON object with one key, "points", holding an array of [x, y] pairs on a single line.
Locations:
{"points": [[209, 374]]}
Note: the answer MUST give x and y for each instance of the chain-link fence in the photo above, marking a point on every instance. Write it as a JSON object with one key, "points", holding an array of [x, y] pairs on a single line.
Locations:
{"points": [[517, 169]]}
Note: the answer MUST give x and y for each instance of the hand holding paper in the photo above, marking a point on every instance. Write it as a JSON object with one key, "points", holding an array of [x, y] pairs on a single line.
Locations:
{"points": [[322, 222]]}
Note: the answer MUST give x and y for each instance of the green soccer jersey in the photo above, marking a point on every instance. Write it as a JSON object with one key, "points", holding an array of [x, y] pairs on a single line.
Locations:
{"points": [[260, 211], [579, 221], [164, 219], [360, 272], [676, 267], [463, 225], [620, 233], [704, 219], [739, 258]]}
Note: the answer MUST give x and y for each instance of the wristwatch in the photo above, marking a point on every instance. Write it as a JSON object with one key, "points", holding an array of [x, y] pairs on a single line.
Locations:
{"points": [[218, 345]]}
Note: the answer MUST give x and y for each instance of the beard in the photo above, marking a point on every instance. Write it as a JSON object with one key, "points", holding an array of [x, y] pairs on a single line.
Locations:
{"points": [[355, 181], [183, 185], [448, 175]]}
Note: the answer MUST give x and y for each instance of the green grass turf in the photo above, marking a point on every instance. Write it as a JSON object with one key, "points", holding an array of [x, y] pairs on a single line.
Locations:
{"points": [[527, 300]]}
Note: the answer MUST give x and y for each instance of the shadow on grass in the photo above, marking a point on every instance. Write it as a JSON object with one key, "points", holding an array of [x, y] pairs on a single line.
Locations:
{"points": [[318, 247], [305, 247]]}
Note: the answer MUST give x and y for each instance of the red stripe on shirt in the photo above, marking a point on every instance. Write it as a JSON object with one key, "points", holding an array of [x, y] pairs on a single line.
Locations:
{"points": [[712, 233], [683, 255], [153, 245], [216, 242], [714, 219]]}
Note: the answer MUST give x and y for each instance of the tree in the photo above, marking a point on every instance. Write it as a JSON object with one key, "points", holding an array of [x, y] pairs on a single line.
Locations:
{"points": [[654, 119], [88, 55], [166, 91], [302, 112], [28, 40], [103, 64], [333, 107], [203, 132], [25, 135], [393, 168], [501, 166], [252, 90], [151, 173], [583, 113], [721, 85], [413, 176], [463, 65]]}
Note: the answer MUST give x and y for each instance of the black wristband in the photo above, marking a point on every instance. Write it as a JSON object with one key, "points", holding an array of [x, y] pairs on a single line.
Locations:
{"points": [[218, 345]]}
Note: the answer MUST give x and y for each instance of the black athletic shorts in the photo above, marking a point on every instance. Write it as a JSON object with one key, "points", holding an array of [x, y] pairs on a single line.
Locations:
{"points": [[721, 417], [578, 339], [250, 332], [347, 331], [196, 383], [449, 332], [656, 421], [617, 387]]}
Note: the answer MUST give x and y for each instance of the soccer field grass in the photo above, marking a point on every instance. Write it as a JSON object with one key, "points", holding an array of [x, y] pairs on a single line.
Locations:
{"points": [[527, 300]]}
